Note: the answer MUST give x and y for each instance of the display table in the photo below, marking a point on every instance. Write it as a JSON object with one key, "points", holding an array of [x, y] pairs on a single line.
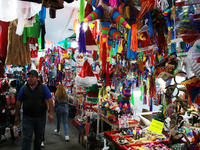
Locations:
{"points": [[77, 124], [115, 126]]}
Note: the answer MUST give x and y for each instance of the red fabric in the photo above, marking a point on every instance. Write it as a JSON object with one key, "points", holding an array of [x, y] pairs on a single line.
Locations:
{"points": [[1, 70], [107, 75], [34, 47], [76, 123], [90, 94], [94, 54], [41, 62], [88, 9], [152, 57], [95, 29], [87, 128], [3, 38], [86, 70], [104, 57], [12, 100], [89, 38]]}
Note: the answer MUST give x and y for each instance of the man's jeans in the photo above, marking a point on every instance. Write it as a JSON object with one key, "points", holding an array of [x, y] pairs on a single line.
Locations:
{"points": [[62, 112], [30, 125]]}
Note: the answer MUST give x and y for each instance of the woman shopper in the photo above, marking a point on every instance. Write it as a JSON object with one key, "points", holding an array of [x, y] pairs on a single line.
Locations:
{"points": [[61, 99]]}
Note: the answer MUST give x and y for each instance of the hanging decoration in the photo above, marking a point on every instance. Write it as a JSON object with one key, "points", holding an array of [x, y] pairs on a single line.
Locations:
{"points": [[81, 42], [86, 76], [159, 23], [134, 42]]}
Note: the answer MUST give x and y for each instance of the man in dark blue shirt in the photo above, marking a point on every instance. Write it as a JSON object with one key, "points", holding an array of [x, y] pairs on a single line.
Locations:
{"points": [[33, 95]]}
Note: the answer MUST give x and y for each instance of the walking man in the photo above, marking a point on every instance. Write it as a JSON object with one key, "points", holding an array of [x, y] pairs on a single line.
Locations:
{"points": [[33, 95]]}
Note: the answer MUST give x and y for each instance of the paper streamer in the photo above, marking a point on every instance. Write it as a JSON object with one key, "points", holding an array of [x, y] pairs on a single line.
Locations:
{"points": [[81, 10], [132, 98], [134, 41], [114, 33]]}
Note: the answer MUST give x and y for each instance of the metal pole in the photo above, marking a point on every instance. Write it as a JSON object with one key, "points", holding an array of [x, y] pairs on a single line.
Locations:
{"points": [[98, 109]]}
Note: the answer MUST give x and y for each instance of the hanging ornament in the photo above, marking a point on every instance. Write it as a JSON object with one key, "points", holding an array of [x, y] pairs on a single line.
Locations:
{"points": [[144, 9], [118, 18], [96, 14], [114, 33], [159, 23], [105, 25]]}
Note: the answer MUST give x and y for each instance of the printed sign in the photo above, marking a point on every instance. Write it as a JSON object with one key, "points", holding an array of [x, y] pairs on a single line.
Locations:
{"points": [[156, 126]]}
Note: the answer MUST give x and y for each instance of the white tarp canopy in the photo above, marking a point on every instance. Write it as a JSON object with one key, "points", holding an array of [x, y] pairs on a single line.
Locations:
{"points": [[62, 26]]}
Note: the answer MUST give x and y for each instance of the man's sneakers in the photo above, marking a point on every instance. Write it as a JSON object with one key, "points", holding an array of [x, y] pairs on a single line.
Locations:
{"points": [[56, 132], [42, 144], [67, 137]]}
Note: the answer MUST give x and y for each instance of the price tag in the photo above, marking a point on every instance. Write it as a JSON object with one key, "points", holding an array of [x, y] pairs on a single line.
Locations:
{"points": [[156, 127]]}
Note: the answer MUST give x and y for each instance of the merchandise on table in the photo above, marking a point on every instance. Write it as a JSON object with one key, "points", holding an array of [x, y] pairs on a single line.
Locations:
{"points": [[151, 146]]}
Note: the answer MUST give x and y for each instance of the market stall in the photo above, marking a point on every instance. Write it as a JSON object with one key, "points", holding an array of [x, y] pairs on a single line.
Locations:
{"points": [[130, 68]]}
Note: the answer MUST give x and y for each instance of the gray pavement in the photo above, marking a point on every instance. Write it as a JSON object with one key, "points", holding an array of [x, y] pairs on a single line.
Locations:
{"points": [[52, 142]]}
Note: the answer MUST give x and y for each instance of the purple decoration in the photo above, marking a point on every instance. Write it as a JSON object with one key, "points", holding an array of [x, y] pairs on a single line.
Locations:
{"points": [[106, 2], [137, 132], [49, 61], [118, 2], [60, 76], [89, 51], [81, 41]]}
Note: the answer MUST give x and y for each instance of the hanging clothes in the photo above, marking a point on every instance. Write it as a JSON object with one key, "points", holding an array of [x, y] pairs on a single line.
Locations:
{"points": [[42, 16], [11, 9], [34, 47], [3, 38], [18, 53], [32, 31], [26, 15]]}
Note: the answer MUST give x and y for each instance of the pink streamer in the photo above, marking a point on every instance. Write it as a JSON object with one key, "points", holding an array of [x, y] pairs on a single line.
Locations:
{"points": [[113, 3]]}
